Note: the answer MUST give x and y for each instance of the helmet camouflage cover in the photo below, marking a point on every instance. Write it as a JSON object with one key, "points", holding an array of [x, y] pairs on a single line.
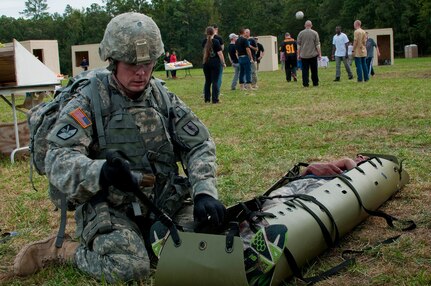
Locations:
{"points": [[132, 38]]}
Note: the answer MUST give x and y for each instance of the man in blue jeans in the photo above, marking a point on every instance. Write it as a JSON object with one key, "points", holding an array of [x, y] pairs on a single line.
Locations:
{"points": [[244, 59], [233, 59], [360, 51]]}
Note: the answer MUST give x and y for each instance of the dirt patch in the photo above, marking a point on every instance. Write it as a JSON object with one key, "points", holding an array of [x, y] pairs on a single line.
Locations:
{"points": [[7, 136]]}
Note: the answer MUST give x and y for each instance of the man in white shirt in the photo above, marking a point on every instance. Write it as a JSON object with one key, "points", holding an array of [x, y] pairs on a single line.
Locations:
{"points": [[340, 44]]}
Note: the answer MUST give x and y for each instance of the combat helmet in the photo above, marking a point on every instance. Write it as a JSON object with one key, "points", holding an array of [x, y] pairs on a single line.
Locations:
{"points": [[133, 38]]}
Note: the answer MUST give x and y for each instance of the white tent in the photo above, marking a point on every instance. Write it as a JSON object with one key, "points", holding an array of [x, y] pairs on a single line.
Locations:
{"points": [[22, 72], [20, 68]]}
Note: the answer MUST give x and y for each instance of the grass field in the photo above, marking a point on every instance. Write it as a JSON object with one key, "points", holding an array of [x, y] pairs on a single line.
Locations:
{"points": [[259, 136]]}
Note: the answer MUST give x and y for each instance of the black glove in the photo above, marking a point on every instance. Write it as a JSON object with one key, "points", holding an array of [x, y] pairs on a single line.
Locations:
{"points": [[116, 172], [209, 209]]}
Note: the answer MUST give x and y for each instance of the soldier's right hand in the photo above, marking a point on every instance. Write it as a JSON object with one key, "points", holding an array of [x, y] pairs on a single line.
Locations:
{"points": [[116, 172]]}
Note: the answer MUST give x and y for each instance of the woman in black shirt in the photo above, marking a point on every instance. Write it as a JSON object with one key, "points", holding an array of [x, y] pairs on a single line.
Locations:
{"points": [[213, 59]]}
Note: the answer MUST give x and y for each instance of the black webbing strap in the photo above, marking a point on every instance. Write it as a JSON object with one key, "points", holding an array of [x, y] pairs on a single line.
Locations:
{"points": [[347, 252], [164, 218], [253, 216], [325, 232], [97, 109], [314, 279], [233, 231], [378, 156], [410, 224], [348, 260], [63, 220]]}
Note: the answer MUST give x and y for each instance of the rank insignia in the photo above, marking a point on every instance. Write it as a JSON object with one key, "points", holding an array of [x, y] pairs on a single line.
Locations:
{"points": [[80, 117]]}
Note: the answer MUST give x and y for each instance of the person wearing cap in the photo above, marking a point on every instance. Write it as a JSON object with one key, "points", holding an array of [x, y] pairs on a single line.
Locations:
{"points": [[233, 58], [124, 133]]}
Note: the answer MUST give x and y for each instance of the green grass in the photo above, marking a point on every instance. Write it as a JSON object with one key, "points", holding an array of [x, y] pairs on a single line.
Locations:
{"points": [[260, 135]]}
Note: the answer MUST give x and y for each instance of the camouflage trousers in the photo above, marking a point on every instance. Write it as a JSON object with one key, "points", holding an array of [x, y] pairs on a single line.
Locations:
{"points": [[112, 246]]}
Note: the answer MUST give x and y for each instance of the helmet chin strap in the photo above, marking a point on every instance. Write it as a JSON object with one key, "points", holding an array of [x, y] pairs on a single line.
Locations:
{"points": [[112, 65]]}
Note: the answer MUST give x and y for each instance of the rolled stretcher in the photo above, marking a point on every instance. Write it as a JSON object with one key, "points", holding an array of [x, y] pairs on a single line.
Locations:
{"points": [[205, 259]]}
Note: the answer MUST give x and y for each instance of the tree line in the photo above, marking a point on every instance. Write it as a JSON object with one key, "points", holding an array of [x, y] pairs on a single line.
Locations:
{"points": [[183, 22]]}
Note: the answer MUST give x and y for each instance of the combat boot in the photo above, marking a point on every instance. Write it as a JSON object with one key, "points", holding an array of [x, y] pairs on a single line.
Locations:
{"points": [[37, 255], [241, 86]]}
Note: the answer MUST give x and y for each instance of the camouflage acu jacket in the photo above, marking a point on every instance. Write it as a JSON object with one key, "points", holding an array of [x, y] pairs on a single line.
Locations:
{"points": [[138, 127]]}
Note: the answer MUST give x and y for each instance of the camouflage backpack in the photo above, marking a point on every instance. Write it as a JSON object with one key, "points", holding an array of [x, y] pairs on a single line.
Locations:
{"points": [[42, 118]]}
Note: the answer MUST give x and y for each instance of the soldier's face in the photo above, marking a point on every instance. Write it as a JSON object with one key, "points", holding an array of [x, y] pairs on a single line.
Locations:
{"points": [[134, 77]]}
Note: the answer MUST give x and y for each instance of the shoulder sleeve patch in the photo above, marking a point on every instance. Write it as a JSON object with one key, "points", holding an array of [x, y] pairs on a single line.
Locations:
{"points": [[191, 128], [67, 132], [80, 117]]}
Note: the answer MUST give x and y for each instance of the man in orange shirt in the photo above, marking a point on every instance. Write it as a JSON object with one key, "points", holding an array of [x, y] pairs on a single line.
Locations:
{"points": [[360, 51]]}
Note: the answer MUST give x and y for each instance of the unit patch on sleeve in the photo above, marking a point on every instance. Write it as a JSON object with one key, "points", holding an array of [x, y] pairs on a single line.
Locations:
{"points": [[191, 128], [80, 117], [67, 132]]}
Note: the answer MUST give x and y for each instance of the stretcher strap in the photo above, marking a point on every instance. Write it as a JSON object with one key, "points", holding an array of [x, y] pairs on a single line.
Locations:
{"points": [[254, 216], [233, 231], [326, 234], [297, 198], [314, 279], [348, 260], [409, 224]]}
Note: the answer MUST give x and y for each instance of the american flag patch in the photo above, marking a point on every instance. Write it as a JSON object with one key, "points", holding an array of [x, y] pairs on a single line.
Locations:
{"points": [[81, 117]]}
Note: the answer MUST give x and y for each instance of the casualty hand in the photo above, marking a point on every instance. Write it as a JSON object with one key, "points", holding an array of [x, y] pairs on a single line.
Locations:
{"points": [[116, 172], [322, 169], [209, 209]]}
